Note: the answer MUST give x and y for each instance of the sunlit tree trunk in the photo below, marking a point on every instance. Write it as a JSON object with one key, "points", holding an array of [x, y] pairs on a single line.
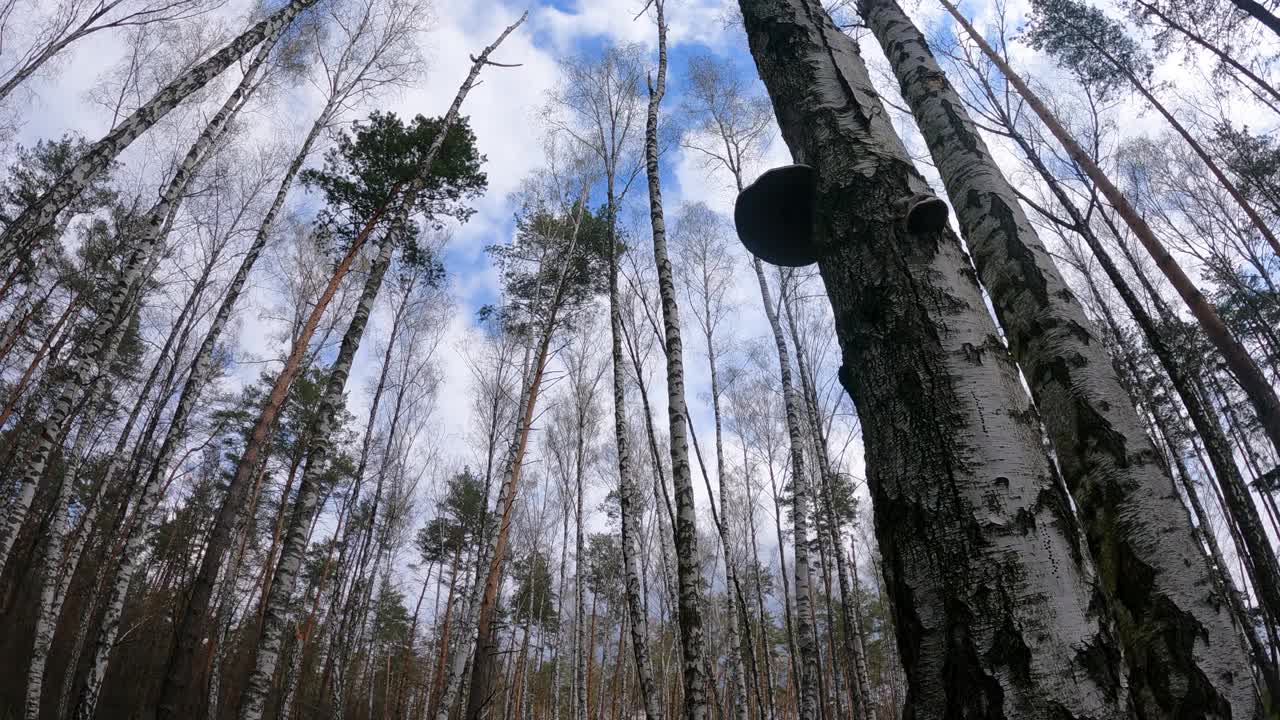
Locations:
{"points": [[1133, 519], [980, 549]]}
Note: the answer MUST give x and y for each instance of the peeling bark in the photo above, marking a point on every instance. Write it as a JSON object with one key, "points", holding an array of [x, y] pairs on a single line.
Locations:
{"points": [[993, 603], [1150, 566]]}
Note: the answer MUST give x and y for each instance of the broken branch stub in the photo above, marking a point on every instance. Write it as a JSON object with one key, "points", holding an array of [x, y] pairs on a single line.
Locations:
{"points": [[774, 216]]}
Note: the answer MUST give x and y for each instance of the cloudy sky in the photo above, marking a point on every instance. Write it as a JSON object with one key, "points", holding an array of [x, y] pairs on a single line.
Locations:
{"points": [[506, 113]]}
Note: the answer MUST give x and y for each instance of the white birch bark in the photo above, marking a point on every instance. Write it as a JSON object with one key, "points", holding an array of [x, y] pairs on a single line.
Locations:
{"points": [[686, 529], [291, 554], [199, 376], [805, 641], [25, 229], [993, 601], [52, 575], [89, 355], [1152, 569], [628, 492]]}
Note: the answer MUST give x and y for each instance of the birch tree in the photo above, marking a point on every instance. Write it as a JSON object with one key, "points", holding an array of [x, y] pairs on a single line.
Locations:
{"points": [[921, 354], [27, 227], [405, 190], [1096, 435]]}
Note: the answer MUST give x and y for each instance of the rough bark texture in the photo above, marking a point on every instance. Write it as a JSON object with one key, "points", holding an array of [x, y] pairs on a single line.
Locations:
{"points": [[992, 601], [1250, 378], [285, 576], [1183, 654], [25, 229], [686, 528]]}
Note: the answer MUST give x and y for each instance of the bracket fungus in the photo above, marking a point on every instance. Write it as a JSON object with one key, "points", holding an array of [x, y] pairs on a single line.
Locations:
{"points": [[774, 216]]}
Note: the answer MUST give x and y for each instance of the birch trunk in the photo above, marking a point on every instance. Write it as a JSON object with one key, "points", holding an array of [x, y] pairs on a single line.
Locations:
{"points": [[1250, 378], [852, 640], [1151, 568], [198, 377], [190, 627], [686, 529], [52, 573], [806, 646], [25, 229], [992, 600], [1238, 502], [285, 575], [628, 492], [90, 355]]}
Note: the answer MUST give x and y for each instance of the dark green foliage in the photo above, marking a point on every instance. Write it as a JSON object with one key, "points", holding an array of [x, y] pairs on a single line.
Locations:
{"points": [[461, 514], [535, 597], [554, 259], [372, 163], [604, 573], [1083, 39], [1255, 161]]}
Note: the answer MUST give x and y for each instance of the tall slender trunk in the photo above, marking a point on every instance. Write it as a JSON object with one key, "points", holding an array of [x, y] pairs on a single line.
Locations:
{"points": [[26, 229], [190, 628], [1265, 572], [198, 377], [53, 575], [91, 353], [686, 529], [1251, 379], [628, 493], [1126, 497], [284, 577], [483, 669], [808, 651], [852, 640], [980, 548], [1259, 12]]}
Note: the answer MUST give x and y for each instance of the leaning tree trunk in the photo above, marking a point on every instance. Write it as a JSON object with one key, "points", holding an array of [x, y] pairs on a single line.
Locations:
{"points": [[1246, 372], [55, 574], [806, 639], [1264, 569], [1151, 569], [189, 629], [285, 576], [628, 493], [993, 605], [198, 377], [1259, 12], [26, 228], [686, 529], [91, 351]]}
